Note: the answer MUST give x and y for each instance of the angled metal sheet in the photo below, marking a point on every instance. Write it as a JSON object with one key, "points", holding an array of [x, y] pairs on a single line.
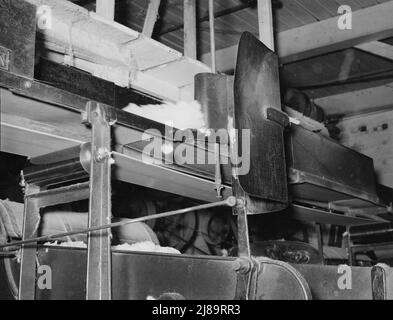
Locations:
{"points": [[257, 88]]}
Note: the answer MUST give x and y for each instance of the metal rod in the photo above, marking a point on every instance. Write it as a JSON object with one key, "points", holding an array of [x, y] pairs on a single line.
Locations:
{"points": [[212, 36], [218, 14], [370, 233], [230, 202]]}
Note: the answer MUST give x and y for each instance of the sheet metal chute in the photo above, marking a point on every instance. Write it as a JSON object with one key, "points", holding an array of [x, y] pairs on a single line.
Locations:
{"points": [[250, 103], [60, 167]]}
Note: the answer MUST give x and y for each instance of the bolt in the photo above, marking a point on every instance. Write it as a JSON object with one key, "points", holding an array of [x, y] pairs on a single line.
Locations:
{"points": [[231, 201], [27, 84], [243, 265], [240, 203], [102, 154]]}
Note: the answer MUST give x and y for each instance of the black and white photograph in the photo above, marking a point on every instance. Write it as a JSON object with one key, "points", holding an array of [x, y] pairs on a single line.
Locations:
{"points": [[193, 154]]}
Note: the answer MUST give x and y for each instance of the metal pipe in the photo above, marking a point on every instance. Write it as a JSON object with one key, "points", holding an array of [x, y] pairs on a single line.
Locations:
{"points": [[212, 36], [371, 233], [229, 202]]}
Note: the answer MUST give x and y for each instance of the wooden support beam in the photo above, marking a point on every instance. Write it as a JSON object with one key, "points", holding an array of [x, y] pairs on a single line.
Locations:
{"points": [[106, 9], [190, 41], [265, 23], [369, 24], [377, 48], [212, 36], [116, 53], [360, 101], [151, 18]]}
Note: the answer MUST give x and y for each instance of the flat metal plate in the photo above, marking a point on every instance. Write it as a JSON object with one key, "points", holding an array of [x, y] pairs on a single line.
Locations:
{"points": [[307, 214], [323, 162], [257, 87], [17, 36], [137, 275], [323, 282]]}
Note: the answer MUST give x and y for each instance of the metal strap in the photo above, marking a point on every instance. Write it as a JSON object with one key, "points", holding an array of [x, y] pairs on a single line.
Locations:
{"points": [[98, 281]]}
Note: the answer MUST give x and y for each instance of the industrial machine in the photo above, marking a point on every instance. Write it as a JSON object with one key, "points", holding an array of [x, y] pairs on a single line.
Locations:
{"points": [[266, 165]]}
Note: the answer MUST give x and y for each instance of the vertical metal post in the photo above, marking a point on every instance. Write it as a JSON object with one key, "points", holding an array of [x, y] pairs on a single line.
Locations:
{"points": [[212, 36], [98, 281], [243, 233], [31, 219]]}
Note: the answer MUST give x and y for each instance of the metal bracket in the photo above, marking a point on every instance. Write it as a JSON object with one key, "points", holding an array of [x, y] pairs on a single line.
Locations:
{"points": [[277, 116], [27, 274], [109, 114], [218, 177]]}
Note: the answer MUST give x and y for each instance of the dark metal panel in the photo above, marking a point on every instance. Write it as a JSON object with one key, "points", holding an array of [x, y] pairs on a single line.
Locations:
{"points": [[137, 275], [140, 275], [277, 280], [68, 274], [308, 214], [17, 34], [215, 93], [323, 282], [323, 162], [257, 88]]}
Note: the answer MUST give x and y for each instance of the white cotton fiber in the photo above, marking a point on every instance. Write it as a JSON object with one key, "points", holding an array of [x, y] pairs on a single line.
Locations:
{"points": [[180, 115]]}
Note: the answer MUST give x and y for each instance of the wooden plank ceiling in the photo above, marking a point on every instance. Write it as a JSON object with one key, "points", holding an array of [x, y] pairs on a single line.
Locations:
{"points": [[319, 77]]}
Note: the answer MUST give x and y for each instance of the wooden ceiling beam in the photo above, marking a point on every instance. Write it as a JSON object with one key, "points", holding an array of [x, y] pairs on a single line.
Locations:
{"points": [[151, 18], [360, 101]]}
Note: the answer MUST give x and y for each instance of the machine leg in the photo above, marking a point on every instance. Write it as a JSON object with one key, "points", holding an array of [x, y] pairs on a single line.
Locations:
{"points": [[31, 218], [98, 281], [318, 229]]}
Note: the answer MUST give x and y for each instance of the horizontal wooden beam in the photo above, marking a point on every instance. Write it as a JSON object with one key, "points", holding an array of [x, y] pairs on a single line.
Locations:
{"points": [[111, 51], [369, 24], [360, 101], [377, 48]]}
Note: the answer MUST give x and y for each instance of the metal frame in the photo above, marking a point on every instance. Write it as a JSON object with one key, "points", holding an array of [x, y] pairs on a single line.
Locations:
{"points": [[98, 282], [34, 201], [98, 190]]}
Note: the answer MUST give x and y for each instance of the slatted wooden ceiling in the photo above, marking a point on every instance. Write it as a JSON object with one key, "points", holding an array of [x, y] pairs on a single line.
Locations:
{"points": [[288, 14]]}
